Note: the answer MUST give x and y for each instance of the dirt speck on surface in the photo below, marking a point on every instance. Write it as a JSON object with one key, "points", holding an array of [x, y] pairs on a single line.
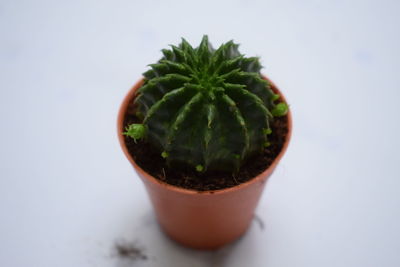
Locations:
{"points": [[129, 250], [259, 221]]}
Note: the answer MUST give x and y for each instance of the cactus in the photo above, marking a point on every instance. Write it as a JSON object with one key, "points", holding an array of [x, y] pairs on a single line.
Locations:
{"points": [[204, 108]]}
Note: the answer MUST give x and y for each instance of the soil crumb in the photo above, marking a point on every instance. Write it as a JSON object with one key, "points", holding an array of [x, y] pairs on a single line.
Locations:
{"points": [[129, 250]]}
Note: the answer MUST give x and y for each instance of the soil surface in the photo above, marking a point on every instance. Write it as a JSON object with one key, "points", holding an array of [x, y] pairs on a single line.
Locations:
{"points": [[151, 161]]}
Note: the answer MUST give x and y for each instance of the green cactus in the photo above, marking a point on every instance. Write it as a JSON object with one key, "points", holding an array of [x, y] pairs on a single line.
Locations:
{"points": [[205, 108]]}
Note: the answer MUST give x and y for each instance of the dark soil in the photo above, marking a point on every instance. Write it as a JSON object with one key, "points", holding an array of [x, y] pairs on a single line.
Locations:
{"points": [[151, 161]]}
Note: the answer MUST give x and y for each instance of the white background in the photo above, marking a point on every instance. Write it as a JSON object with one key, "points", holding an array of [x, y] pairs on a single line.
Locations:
{"points": [[67, 193]]}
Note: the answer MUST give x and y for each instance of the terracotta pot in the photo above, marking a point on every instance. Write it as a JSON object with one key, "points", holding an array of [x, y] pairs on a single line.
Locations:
{"points": [[202, 220]]}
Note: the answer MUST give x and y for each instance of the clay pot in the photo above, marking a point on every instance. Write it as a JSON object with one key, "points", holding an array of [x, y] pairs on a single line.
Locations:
{"points": [[202, 220]]}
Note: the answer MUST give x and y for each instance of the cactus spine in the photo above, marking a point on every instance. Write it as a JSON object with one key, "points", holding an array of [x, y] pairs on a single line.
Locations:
{"points": [[205, 108]]}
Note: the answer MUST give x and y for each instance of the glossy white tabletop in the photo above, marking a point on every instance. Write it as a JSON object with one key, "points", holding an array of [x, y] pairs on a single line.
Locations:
{"points": [[68, 194]]}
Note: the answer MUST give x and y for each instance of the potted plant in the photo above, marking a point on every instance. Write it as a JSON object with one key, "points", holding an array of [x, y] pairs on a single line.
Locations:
{"points": [[204, 130]]}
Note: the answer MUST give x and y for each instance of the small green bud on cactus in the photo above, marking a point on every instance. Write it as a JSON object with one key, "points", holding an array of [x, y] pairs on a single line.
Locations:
{"points": [[267, 144], [136, 131], [275, 97], [267, 131], [280, 110], [206, 108], [199, 168]]}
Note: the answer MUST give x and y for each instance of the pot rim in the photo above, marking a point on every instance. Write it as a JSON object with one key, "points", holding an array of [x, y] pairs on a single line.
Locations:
{"points": [[259, 178]]}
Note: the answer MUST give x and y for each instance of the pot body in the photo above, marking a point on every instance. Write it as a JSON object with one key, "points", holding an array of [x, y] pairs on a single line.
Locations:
{"points": [[202, 220]]}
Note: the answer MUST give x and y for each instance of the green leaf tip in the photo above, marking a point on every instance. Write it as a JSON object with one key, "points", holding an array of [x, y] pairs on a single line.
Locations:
{"points": [[267, 131], [267, 144], [164, 154], [280, 109], [136, 131], [275, 97], [199, 168]]}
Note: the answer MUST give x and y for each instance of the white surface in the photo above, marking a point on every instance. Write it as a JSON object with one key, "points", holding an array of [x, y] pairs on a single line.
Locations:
{"points": [[67, 193]]}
